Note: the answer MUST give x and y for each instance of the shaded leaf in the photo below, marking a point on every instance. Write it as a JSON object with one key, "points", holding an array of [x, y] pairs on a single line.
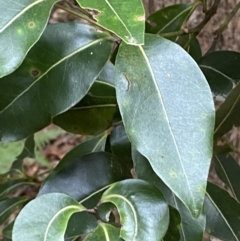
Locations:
{"points": [[79, 224], [143, 211], [105, 232], [221, 69], [105, 167], [163, 117], [223, 213], [95, 144], [8, 206], [191, 45], [228, 170], [125, 20], [56, 74], [11, 185], [87, 120], [190, 229], [171, 18], [21, 25], [227, 114], [7, 231], [47, 217]]}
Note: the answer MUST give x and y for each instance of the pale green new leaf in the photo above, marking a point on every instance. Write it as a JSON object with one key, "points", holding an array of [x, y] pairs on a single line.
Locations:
{"points": [[45, 218], [56, 74], [163, 117], [144, 214], [125, 19], [21, 25]]}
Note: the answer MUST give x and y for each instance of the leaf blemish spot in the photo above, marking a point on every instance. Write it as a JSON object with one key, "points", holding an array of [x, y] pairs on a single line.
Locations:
{"points": [[173, 174], [31, 25], [34, 72], [169, 75], [141, 18]]}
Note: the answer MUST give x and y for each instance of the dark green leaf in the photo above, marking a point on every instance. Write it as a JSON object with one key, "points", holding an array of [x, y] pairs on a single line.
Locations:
{"points": [[121, 147], [87, 120], [79, 224], [8, 206], [45, 218], [22, 23], [11, 185], [227, 115], [104, 232], [223, 214], [191, 45], [221, 69], [56, 74], [173, 233], [89, 173], [190, 229], [144, 214], [7, 231], [95, 144], [163, 117], [170, 19], [125, 20], [228, 170]]}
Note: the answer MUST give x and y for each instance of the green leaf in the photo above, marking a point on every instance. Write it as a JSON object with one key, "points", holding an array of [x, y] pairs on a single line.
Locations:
{"points": [[228, 170], [11, 185], [7, 231], [143, 211], [56, 74], [79, 224], [171, 18], [45, 218], [87, 120], [95, 144], [190, 229], [104, 232], [221, 69], [159, 103], [223, 213], [173, 233], [191, 45], [125, 20], [20, 28], [227, 114], [8, 206], [80, 171]]}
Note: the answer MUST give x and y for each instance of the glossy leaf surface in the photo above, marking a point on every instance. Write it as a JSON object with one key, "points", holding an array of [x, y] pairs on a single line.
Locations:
{"points": [[126, 19], [227, 114], [47, 217], [56, 75], [22, 23], [87, 120], [228, 170], [80, 172], [190, 229], [223, 213], [143, 211], [104, 232], [163, 117], [171, 18], [221, 69]]}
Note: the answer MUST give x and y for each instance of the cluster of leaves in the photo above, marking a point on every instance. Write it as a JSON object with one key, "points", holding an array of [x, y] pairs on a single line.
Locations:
{"points": [[138, 87]]}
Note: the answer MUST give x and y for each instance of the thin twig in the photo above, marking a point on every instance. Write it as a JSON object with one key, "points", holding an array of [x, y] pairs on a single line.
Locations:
{"points": [[222, 27]]}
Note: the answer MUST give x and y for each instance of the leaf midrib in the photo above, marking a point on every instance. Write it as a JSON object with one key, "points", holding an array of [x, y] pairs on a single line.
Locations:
{"points": [[170, 128], [49, 69], [20, 13], [107, 199]]}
